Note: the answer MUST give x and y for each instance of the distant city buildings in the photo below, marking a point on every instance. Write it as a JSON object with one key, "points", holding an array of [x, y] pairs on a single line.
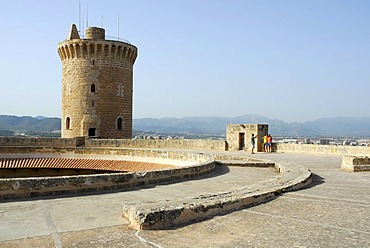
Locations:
{"points": [[156, 137], [325, 141]]}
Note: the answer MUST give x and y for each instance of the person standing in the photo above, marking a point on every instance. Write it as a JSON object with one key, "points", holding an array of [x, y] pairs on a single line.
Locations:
{"points": [[253, 142], [264, 139], [269, 143]]}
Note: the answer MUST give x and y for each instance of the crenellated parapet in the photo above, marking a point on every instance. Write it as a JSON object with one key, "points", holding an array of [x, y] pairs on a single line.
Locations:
{"points": [[85, 49], [94, 46]]}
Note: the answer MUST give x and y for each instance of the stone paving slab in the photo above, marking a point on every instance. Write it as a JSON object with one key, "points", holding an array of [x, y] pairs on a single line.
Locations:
{"points": [[71, 214], [291, 220]]}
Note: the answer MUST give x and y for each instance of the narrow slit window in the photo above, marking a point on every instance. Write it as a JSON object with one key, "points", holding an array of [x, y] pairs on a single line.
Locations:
{"points": [[68, 123], [119, 124], [93, 88]]}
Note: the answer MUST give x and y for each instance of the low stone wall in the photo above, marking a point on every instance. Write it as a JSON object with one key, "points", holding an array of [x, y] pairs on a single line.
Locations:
{"points": [[324, 149], [44, 142], [143, 155], [168, 214], [200, 144], [171, 143], [54, 186], [355, 163], [189, 144]]}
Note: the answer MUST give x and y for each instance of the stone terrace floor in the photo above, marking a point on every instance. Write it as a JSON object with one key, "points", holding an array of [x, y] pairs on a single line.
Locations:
{"points": [[334, 211]]}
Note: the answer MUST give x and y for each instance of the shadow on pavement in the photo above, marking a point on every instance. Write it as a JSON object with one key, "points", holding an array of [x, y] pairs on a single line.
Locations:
{"points": [[316, 180]]}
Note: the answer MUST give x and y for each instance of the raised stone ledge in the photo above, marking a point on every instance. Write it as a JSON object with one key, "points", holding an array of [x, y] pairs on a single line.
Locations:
{"points": [[324, 149], [15, 188], [163, 215], [355, 163]]}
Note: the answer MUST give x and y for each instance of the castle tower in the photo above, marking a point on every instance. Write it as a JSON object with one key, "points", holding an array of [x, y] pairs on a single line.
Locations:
{"points": [[97, 85]]}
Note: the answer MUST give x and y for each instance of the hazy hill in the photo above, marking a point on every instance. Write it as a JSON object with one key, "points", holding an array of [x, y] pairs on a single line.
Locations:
{"points": [[342, 126], [338, 126], [28, 123]]}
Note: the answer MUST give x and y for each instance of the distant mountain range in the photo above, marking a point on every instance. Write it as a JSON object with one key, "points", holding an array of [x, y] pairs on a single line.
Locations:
{"points": [[338, 126], [40, 126]]}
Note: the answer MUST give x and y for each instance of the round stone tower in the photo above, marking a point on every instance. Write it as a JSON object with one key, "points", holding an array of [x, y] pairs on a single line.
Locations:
{"points": [[97, 85]]}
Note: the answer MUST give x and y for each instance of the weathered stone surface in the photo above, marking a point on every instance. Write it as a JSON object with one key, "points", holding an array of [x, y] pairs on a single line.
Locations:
{"points": [[333, 211], [324, 149], [355, 163], [163, 215], [187, 165], [238, 136], [97, 86]]}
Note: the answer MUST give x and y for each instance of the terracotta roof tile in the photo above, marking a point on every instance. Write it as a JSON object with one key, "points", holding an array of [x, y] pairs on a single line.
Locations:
{"points": [[80, 163]]}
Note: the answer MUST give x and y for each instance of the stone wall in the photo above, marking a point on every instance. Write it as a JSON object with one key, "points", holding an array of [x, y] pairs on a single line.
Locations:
{"points": [[324, 149], [355, 163], [144, 155], [13, 188], [176, 212], [186, 144], [42, 142], [189, 144]]}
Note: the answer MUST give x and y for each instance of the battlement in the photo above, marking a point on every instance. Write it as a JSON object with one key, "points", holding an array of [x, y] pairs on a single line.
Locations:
{"points": [[87, 48], [95, 46]]}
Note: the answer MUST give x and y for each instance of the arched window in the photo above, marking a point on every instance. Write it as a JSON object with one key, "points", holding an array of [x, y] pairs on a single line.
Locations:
{"points": [[92, 87], [68, 123], [119, 123]]}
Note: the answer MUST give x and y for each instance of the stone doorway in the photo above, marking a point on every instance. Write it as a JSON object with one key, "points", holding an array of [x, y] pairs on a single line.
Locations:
{"points": [[92, 132], [241, 141]]}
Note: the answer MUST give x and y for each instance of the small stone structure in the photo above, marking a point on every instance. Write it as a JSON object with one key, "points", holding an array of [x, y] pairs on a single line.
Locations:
{"points": [[238, 136], [355, 163], [97, 85]]}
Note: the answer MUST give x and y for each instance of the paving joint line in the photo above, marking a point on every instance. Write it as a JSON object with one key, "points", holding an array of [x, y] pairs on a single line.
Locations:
{"points": [[333, 199], [49, 220], [141, 239], [306, 222]]}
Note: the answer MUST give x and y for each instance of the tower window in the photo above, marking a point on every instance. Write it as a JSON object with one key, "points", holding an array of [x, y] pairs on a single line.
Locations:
{"points": [[68, 123], [119, 124], [120, 90], [92, 104], [93, 88]]}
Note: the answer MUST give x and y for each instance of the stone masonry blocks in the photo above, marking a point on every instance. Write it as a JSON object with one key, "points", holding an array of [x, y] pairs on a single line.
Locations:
{"points": [[355, 163], [97, 86]]}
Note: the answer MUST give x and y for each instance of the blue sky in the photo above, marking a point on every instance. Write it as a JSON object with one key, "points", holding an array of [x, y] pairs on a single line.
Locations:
{"points": [[293, 60]]}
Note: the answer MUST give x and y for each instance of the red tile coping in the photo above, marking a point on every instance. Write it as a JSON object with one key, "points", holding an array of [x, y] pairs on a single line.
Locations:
{"points": [[80, 163]]}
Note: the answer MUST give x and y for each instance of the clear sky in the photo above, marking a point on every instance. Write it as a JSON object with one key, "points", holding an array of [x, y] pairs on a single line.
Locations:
{"points": [[294, 60]]}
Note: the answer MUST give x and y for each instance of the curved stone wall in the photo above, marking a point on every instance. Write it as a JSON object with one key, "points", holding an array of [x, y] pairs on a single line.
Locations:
{"points": [[163, 215], [13, 188]]}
